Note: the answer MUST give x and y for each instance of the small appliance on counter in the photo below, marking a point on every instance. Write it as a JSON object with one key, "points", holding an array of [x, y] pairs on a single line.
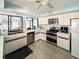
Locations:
{"points": [[64, 29]]}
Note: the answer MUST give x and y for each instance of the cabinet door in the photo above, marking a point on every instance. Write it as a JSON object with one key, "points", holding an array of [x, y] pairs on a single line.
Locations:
{"points": [[37, 36], [59, 42], [64, 19], [63, 43], [61, 20], [1, 47], [14, 45], [74, 15], [22, 42], [43, 36], [43, 20], [10, 47]]}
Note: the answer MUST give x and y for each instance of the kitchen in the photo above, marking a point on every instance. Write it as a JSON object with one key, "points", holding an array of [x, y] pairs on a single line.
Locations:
{"points": [[60, 34], [64, 37], [44, 37]]}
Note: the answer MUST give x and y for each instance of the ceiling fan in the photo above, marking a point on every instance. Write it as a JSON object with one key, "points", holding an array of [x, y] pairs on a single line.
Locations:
{"points": [[42, 3]]}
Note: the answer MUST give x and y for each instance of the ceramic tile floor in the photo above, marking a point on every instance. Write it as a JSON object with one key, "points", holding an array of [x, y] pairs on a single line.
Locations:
{"points": [[44, 50]]}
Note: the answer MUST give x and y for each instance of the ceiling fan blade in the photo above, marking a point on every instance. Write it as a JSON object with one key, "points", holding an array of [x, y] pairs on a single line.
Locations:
{"points": [[39, 6], [49, 5]]}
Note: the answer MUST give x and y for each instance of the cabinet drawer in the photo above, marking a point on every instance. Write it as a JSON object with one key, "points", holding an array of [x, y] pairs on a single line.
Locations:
{"points": [[63, 35]]}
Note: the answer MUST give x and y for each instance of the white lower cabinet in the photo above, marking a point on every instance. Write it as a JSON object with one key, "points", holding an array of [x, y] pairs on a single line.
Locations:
{"points": [[40, 36], [63, 43], [37, 36], [59, 42], [43, 36], [14, 45], [1, 46]]}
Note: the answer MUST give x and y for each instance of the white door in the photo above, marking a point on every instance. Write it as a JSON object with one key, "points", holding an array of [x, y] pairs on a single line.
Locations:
{"points": [[75, 44], [75, 25], [75, 38]]}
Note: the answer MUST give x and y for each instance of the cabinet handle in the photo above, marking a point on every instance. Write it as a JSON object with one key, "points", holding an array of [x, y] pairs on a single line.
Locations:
{"points": [[63, 38], [15, 39]]}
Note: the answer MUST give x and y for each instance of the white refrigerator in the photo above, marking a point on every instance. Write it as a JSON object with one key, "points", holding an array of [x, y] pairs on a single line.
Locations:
{"points": [[75, 37]]}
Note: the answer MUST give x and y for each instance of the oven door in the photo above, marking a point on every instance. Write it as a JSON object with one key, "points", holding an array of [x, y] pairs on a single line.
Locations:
{"points": [[52, 38]]}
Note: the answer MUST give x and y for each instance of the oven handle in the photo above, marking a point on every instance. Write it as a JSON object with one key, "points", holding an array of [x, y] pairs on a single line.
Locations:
{"points": [[52, 37]]}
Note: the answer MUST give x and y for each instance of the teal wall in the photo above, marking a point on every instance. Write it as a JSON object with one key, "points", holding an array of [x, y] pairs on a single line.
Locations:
{"points": [[71, 7], [10, 5]]}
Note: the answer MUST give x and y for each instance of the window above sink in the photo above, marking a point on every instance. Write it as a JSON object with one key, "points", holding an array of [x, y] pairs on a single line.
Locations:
{"points": [[15, 24]]}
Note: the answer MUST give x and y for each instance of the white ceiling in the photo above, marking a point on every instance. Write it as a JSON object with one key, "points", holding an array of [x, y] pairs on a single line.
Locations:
{"points": [[30, 7]]}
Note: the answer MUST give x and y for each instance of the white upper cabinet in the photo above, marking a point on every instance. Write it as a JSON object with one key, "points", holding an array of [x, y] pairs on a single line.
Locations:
{"points": [[43, 20], [64, 19], [54, 16], [74, 15]]}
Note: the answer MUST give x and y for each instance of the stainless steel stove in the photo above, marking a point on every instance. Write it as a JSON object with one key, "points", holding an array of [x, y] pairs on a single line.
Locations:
{"points": [[52, 36]]}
